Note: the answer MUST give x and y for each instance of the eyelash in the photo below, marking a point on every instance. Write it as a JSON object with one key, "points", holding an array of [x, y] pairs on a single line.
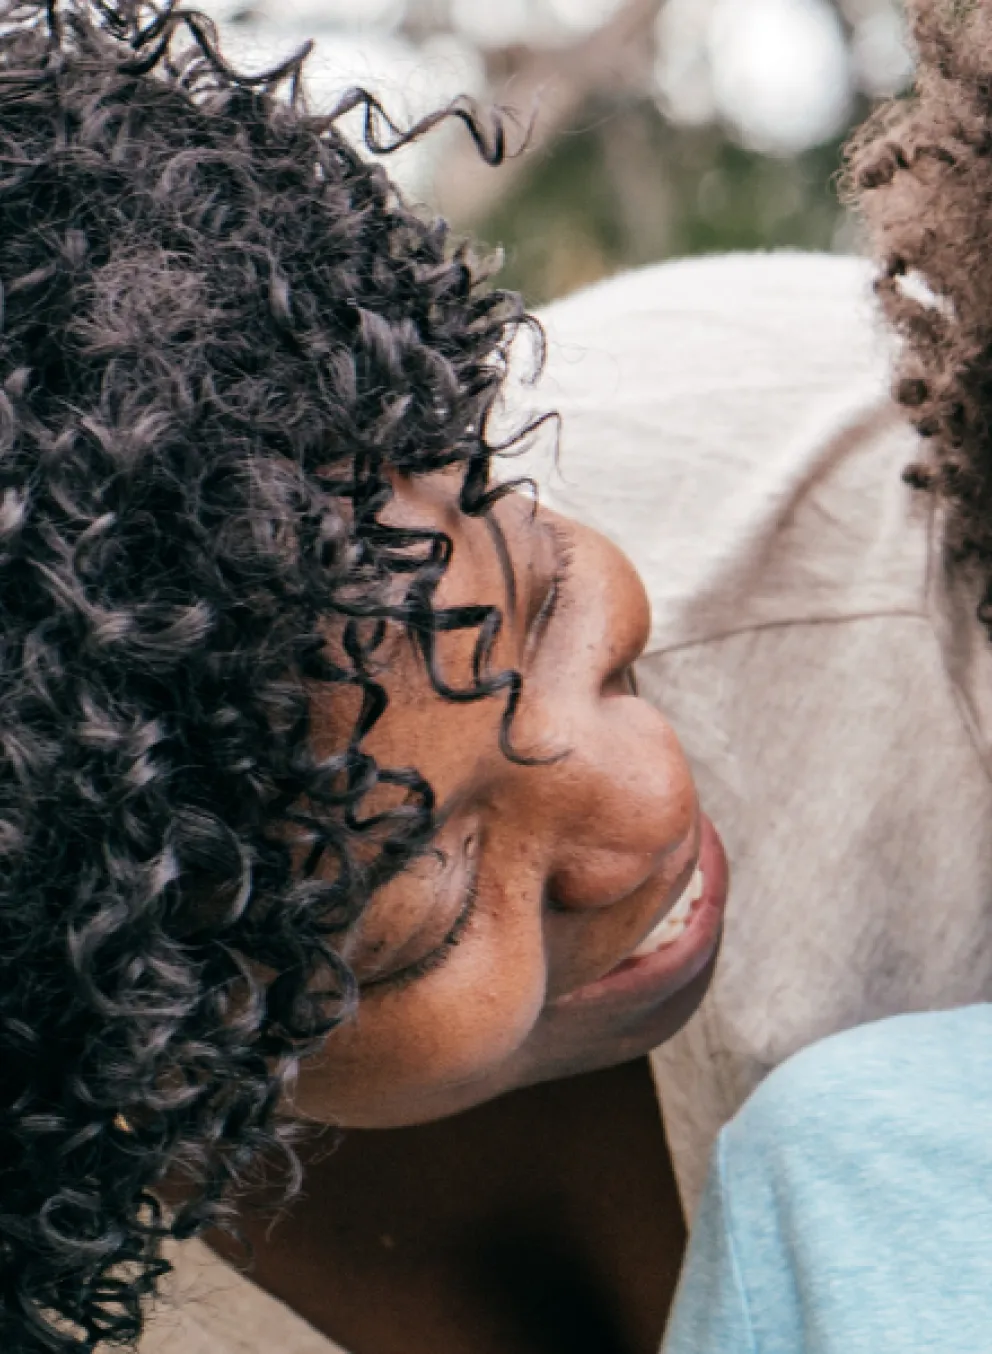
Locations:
{"points": [[441, 953], [557, 596]]}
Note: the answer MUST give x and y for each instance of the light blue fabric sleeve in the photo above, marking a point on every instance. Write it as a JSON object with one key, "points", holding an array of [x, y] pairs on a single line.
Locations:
{"points": [[848, 1208], [711, 1311]]}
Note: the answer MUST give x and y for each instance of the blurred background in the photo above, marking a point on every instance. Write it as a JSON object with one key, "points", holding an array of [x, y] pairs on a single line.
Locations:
{"points": [[661, 127]]}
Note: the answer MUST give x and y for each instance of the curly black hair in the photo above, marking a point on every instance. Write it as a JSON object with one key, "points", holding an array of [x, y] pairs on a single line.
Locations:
{"points": [[920, 174], [221, 332]]}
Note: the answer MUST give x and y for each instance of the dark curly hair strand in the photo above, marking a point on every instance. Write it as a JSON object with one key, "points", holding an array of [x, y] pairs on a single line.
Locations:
{"points": [[221, 331]]}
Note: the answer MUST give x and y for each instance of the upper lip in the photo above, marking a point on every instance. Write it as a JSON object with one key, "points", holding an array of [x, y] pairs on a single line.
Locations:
{"points": [[671, 898], [674, 893]]}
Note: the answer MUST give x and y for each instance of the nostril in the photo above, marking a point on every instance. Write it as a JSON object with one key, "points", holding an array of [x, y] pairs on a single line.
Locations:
{"points": [[552, 904], [621, 683]]}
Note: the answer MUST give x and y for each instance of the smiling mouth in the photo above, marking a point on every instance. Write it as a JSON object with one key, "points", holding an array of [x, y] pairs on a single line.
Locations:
{"points": [[678, 946], [674, 923]]}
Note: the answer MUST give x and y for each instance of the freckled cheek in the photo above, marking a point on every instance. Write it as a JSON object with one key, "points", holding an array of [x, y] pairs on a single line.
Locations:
{"points": [[452, 1027]]}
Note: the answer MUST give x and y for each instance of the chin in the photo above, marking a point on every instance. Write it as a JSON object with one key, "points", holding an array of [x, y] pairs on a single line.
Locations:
{"points": [[583, 1048]]}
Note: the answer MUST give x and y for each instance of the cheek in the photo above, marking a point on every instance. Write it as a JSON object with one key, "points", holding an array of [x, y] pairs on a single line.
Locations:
{"points": [[408, 1050], [641, 764], [627, 798]]}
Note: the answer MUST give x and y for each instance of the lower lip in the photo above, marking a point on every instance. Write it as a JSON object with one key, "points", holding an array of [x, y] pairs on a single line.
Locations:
{"points": [[666, 971]]}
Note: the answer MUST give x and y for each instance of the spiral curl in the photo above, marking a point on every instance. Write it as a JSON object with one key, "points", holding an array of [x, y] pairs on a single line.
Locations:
{"points": [[221, 332]]}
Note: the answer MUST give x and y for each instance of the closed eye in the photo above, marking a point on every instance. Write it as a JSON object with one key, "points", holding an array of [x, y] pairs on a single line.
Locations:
{"points": [[441, 953], [556, 596]]}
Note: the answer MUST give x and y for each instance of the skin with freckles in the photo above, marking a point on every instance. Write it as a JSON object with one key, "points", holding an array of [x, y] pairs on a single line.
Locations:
{"points": [[475, 962]]}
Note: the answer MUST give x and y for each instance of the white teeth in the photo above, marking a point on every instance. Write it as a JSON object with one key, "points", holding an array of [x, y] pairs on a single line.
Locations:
{"points": [[674, 922]]}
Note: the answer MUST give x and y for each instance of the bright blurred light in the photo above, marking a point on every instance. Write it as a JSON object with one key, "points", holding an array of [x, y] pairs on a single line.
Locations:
{"points": [[313, 13], [780, 71], [337, 13], [338, 62], [494, 23], [883, 64], [582, 16], [410, 81], [682, 69]]}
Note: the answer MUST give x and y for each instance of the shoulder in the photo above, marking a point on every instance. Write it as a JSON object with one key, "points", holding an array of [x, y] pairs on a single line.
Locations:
{"points": [[728, 364], [782, 277], [679, 328], [727, 422], [904, 1074], [763, 315], [841, 1212]]}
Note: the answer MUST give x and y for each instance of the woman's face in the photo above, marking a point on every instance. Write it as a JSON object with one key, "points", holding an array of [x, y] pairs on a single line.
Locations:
{"points": [[507, 959]]}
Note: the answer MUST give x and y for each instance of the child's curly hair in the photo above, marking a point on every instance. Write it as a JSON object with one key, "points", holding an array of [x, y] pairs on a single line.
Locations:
{"points": [[220, 332], [920, 174]]}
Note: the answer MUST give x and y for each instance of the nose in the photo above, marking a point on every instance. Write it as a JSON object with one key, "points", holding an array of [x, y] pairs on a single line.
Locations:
{"points": [[623, 796], [625, 620], [631, 804]]}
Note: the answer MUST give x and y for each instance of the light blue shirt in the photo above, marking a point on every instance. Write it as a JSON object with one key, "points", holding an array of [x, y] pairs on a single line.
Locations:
{"points": [[848, 1208]]}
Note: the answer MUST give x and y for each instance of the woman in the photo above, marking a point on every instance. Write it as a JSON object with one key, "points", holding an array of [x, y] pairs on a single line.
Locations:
{"points": [[846, 1208], [317, 787]]}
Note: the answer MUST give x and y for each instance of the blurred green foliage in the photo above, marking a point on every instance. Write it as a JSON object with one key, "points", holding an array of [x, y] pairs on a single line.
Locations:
{"points": [[626, 187]]}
